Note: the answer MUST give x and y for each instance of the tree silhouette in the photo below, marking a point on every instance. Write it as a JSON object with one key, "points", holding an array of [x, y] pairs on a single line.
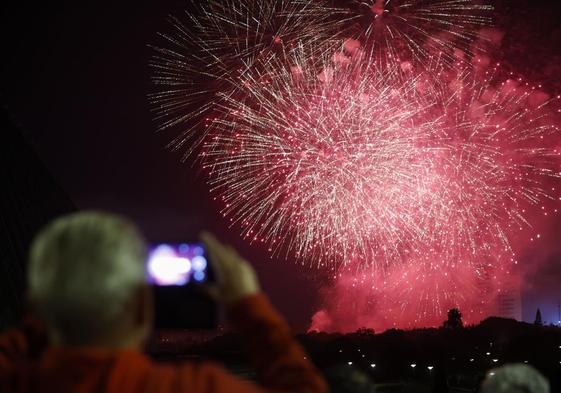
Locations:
{"points": [[538, 320], [454, 320], [365, 331]]}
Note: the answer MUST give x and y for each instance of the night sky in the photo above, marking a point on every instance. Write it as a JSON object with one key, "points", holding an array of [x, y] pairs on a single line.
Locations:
{"points": [[75, 76]]}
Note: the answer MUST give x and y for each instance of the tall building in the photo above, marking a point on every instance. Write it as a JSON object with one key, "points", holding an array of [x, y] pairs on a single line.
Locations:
{"points": [[509, 303]]}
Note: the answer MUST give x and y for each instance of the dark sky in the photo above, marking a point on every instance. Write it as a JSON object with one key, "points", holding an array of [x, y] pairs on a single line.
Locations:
{"points": [[75, 76]]}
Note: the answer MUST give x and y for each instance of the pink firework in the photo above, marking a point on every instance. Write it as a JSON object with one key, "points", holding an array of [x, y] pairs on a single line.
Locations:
{"points": [[416, 30], [376, 143], [211, 48], [369, 168], [416, 294], [324, 163], [209, 51]]}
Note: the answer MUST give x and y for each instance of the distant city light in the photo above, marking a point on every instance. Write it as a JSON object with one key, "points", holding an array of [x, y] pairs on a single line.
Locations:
{"points": [[491, 374], [372, 365], [430, 368], [471, 360], [350, 363], [413, 365], [487, 353], [495, 360]]}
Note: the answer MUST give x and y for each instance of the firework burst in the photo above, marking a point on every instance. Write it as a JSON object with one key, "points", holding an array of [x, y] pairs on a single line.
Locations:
{"points": [[417, 30], [411, 295], [377, 168], [375, 142], [314, 161], [210, 50]]}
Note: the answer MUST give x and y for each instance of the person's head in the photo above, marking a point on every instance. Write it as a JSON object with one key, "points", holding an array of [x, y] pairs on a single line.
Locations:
{"points": [[87, 281], [515, 378]]}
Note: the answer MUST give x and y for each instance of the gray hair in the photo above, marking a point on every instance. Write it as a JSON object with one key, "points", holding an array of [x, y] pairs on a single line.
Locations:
{"points": [[83, 271], [515, 378]]}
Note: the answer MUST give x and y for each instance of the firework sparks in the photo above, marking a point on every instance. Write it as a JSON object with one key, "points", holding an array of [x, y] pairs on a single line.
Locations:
{"points": [[373, 169], [210, 50], [411, 295], [416, 30], [323, 163], [346, 139]]}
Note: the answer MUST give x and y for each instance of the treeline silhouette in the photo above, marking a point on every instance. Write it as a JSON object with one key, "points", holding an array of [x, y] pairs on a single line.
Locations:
{"points": [[445, 357]]}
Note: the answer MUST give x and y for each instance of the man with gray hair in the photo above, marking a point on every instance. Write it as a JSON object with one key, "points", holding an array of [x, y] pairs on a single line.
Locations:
{"points": [[87, 283], [515, 378]]}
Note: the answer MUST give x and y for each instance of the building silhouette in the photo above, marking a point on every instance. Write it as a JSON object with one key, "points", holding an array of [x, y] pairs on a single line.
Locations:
{"points": [[509, 303]]}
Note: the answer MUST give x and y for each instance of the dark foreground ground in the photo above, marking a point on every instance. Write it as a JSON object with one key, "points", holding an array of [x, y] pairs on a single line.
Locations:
{"points": [[446, 360]]}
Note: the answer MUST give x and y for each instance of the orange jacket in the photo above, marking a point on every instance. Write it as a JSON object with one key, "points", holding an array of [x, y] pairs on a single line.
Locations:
{"points": [[280, 362]]}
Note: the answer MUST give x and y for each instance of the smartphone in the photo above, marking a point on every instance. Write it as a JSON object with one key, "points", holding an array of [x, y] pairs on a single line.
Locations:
{"points": [[180, 274], [178, 264]]}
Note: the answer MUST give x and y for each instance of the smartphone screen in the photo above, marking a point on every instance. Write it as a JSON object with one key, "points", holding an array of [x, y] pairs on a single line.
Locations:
{"points": [[179, 274], [177, 264]]}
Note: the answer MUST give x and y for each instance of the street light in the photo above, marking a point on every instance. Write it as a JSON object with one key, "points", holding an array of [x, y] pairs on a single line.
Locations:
{"points": [[372, 365], [413, 365]]}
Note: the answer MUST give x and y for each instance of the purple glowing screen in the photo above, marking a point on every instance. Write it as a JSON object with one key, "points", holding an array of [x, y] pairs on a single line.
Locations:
{"points": [[176, 264]]}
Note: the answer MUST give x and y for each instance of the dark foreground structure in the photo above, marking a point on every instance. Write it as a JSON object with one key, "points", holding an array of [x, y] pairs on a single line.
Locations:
{"points": [[422, 360], [29, 199]]}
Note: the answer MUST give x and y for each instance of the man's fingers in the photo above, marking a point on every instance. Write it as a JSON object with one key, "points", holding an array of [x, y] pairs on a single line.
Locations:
{"points": [[235, 277], [217, 253], [209, 240], [213, 244], [224, 254], [231, 250]]}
